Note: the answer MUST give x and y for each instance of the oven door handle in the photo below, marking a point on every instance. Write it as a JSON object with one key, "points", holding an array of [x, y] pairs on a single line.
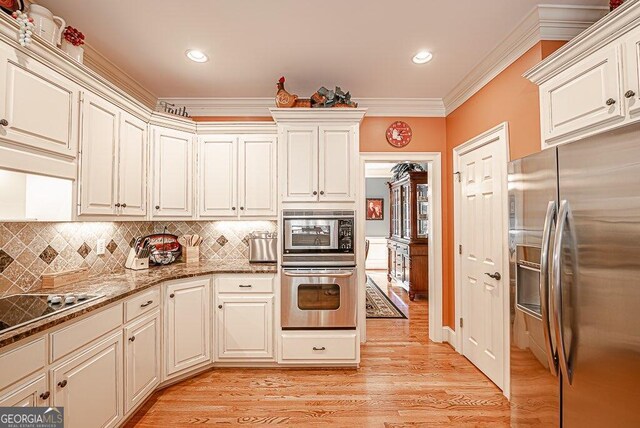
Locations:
{"points": [[317, 275]]}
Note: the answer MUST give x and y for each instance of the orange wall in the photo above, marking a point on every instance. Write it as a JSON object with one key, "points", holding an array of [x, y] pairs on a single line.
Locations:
{"points": [[429, 134], [511, 98]]}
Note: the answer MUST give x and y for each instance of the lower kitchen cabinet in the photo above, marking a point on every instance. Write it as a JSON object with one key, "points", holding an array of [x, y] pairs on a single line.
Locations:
{"points": [[245, 327], [32, 393], [89, 385], [141, 358], [187, 325]]}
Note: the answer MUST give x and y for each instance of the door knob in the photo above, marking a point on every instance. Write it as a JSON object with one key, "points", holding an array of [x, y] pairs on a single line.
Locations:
{"points": [[610, 102], [629, 94], [495, 276]]}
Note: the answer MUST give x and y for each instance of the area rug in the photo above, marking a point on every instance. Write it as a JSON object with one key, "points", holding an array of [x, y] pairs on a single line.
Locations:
{"points": [[378, 304]]}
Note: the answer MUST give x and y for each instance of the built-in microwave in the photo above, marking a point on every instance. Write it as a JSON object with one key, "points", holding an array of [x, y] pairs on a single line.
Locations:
{"points": [[318, 238]]}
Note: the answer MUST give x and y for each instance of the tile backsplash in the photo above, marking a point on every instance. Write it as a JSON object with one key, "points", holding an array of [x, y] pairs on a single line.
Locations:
{"points": [[27, 250]]}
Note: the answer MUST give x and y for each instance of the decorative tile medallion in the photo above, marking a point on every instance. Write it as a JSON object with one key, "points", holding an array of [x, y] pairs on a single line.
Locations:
{"points": [[222, 241], [48, 255], [84, 250], [5, 260], [111, 246]]}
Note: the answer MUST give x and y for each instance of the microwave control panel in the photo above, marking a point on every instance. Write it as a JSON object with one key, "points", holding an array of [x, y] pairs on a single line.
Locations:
{"points": [[345, 235]]}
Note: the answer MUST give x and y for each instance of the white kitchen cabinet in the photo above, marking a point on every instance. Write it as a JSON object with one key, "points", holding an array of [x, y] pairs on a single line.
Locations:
{"points": [[245, 327], [187, 325], [300, 150], [89, 385], [336, 158], [39, 105], [319, 163], [98, 171], [172, 173], [141, 359], [218, 171], [237, 176], [132, 166], [34, 392]]}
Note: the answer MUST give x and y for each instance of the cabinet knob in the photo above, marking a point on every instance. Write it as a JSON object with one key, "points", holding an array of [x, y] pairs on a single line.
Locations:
{"points": [[610, 102], [62, 384], [172, 295], [4, 122], [322, 192], [45, 395], [233, 208], [219, 306], [117, 205], [319, 349], [241, 208], [157, 207], [144, 305], [124, 205], [132, 339], [315, 193], [629, 94]]}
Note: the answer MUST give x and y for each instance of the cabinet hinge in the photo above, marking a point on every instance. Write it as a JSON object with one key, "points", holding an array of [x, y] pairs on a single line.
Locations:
{"points": [[459, 249], [458, 176], [461, 323]]}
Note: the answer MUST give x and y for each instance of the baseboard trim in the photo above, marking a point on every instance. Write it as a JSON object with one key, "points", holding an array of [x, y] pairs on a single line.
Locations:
{"points": [[449, 336]]}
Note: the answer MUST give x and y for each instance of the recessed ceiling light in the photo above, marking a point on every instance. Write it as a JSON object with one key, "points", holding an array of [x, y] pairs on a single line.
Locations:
{"points": [[197, 56], [422, 57]]}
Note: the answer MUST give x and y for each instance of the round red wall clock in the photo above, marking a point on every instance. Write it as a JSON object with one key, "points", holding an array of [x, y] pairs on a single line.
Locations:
{"points": [[399, 134]]}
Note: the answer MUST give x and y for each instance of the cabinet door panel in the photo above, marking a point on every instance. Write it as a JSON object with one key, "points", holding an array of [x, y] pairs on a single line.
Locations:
{"points": [[98, 156], [172, 173], [132, 174], [576, 101], [245, 327], [41, 106], [257, 178], [336, 152], [301, 164], [218, 160], [632, 68], [142, 359], [89, 386], [187, 337], [27, 395]]}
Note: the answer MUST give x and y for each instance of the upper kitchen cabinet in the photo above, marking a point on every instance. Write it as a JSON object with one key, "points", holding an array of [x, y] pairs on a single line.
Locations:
{"points": [[172, 173], [113, 160], [592, 83], [237, 175], [319, 153], [38, 106]]}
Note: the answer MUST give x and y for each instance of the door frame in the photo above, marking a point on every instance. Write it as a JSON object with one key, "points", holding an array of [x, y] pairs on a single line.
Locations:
{"points": [[499, 133], [434, 159]]}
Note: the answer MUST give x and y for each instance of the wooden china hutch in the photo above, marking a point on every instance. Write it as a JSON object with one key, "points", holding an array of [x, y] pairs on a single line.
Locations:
{"points": [[408, 242]]}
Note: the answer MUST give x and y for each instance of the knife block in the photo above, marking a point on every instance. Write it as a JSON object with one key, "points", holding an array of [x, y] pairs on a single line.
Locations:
{"points": [[134, 263], [191, 254]]}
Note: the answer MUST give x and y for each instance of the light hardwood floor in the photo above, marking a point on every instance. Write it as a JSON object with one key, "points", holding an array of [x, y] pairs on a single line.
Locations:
{"points": [[404, 380]]}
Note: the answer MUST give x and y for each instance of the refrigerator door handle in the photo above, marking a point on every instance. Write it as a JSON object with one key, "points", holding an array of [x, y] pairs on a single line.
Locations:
{"points": [[556, 284], [552, 354]]}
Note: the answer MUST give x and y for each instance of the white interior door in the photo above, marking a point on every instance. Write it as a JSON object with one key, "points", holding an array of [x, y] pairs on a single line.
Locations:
{"points": [[218, 175], [257, 176], [482, 278]]}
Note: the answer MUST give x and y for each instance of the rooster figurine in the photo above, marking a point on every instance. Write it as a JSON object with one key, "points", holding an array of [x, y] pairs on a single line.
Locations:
{"points": [[284, 98]]}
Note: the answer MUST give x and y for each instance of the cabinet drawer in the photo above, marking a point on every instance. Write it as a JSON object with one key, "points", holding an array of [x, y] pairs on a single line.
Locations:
{"points": [[245, 284], [83, 332], [22, 361], [335, 346], [141, 304]]}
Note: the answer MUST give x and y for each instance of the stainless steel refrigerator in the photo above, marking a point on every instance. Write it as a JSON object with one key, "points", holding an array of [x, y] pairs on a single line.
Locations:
{"points": [[574, 233]]}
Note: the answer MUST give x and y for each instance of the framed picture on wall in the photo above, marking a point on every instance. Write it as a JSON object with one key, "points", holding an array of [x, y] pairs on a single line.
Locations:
{"points": [[375, 209]]}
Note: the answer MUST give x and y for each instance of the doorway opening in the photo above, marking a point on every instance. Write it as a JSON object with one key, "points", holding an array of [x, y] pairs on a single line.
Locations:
{"points": [[400, 256]]}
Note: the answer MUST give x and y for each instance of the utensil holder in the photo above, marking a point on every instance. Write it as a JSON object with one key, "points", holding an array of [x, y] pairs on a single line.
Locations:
{"points": [[191, 254], [134, 263]]}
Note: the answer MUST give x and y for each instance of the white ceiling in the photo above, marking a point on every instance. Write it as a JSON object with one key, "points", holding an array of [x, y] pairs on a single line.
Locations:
{"points": [[364, 46]]}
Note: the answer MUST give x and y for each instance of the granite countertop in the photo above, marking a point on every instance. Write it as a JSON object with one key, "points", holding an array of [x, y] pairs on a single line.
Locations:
{"points": [[117, 286]]}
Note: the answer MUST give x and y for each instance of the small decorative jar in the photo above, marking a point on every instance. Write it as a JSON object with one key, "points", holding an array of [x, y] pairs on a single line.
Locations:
{"points": [[72, 41], [75, 52]]}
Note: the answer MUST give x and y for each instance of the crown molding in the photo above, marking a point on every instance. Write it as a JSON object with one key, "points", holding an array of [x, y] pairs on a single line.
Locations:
{"points": [[544, 22], [259, 107], [236, 127], [611, 27], [318, 115], [103, 66]]}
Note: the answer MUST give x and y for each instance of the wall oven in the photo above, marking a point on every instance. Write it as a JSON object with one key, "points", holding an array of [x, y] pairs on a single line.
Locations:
{"points": [[318, 238], [319, 298]]}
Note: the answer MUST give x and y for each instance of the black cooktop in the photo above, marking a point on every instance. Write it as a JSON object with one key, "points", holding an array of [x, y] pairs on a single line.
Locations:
{"points": [[20, 309]]}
